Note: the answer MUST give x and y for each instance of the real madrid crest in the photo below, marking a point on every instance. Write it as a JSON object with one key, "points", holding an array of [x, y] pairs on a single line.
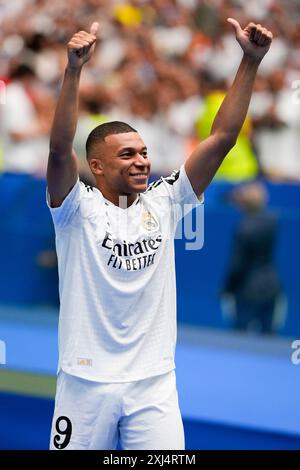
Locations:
{"points": [[149, 222]]}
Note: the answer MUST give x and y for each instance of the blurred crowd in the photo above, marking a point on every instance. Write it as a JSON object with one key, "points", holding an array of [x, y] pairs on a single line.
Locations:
{"points": [[163, 66]]}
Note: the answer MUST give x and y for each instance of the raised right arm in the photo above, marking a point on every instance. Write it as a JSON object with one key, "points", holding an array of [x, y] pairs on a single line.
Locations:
{"points": [[62, 171]]}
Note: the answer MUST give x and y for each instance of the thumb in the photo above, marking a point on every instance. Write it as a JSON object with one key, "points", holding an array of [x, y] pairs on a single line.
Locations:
{"points": [[236, 25], [94, 28]]}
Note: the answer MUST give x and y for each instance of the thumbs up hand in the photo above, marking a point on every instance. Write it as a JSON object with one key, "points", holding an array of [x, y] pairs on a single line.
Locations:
{"points": [[81, 47], [255, 40]]}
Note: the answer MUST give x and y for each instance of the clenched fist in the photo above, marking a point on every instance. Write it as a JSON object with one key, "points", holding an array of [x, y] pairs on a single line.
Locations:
{"points": [[81, 46], [255, 40]]}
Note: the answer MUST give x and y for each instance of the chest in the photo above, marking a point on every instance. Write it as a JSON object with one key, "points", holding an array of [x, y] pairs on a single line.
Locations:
{"points": [[127, 240]]}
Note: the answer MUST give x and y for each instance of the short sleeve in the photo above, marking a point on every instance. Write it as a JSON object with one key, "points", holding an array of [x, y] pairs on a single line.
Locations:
{"points": [[183, 190], [64, 214], [179, 193]]}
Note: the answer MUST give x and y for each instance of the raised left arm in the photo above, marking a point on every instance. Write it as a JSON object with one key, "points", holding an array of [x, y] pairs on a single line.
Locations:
{"points": [[204, 162]]}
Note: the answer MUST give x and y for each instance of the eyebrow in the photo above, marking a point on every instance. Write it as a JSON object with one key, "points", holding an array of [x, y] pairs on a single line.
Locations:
{"points": [[129, 149]]}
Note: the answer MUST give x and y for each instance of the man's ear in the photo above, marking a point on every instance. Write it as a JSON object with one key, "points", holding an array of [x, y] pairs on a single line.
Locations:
{"points": [[96, 166]]}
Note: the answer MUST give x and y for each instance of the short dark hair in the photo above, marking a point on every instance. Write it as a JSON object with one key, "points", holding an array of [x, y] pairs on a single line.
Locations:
{"points": [[100, 132]]}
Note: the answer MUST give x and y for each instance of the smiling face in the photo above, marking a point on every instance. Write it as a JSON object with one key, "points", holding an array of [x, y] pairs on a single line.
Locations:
{"points": [[121, 166]]}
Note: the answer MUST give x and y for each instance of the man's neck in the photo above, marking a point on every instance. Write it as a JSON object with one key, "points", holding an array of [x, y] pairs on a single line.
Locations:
{"points": [[121, 200]]}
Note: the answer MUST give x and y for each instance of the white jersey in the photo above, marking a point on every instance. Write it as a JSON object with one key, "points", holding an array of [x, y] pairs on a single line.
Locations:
{"points": [[117, 282]]}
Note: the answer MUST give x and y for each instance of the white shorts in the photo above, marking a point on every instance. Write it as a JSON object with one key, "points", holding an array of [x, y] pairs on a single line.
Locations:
{"points": [[143, 414]]}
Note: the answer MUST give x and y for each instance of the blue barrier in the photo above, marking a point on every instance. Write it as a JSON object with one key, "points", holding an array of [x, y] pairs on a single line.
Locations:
{"points": [[27, 231]]}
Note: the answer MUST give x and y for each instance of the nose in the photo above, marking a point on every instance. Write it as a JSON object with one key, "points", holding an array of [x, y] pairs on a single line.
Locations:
{"points": [[140, 160]]}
